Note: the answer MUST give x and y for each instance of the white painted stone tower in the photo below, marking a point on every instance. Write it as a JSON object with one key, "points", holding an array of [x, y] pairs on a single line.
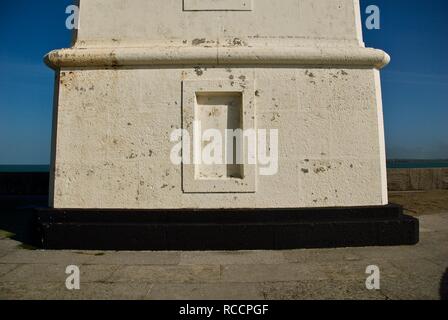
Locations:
{"points": [[140, 69]]}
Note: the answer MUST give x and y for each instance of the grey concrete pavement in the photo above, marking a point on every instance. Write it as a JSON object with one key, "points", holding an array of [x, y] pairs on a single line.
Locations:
{"points": [[409, 272]]}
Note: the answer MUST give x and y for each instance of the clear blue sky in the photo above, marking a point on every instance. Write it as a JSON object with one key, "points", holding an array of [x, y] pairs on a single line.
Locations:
{"points": [[415, 84]]}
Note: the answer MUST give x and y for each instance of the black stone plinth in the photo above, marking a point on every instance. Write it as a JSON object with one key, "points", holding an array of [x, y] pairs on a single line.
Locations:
{"points": [[230, 229]]}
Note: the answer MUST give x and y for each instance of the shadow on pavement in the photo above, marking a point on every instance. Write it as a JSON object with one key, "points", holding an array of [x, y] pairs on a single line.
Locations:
{"points": [[20, 193], [17, 216], [444, 286]]}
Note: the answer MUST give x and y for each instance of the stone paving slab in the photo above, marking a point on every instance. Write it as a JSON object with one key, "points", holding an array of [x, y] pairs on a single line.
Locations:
{"points": [[31, 273], [166, 274], [7, 246], [57, 291], [135, 258], [407, 287], [206, 291], [273, 273], [44, 257], [29, 291], [322, 255], [107, 291], [235, 257], [324, 289], [6, 268], [435, 222]]}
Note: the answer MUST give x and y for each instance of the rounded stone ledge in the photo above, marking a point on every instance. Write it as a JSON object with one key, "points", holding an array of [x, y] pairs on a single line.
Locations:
{"points": [[117, 57]]}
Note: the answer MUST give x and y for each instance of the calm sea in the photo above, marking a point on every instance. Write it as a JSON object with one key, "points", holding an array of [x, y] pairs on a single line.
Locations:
{"points": [[24, 168], [391, 164], [420, 164]]}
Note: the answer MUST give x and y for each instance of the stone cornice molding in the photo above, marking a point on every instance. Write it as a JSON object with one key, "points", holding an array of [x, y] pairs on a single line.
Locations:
{"points": [[179, 55]]}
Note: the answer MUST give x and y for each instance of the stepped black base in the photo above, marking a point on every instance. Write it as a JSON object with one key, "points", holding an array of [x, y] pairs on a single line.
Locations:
{"points": [[242, 229]]}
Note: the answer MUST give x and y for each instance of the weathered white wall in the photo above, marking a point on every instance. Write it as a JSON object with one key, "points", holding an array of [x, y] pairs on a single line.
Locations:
{"points": [[120, 97], [113, 138], [290, 22]]}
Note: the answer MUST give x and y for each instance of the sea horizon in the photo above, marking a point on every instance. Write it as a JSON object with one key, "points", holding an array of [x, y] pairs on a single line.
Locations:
{"points": [[391, 164], [11, 168]]}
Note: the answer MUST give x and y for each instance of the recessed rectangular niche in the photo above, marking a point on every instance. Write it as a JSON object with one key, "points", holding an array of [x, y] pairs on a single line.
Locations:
{"points": [[217, 5], [221, 111], [227, 108]]}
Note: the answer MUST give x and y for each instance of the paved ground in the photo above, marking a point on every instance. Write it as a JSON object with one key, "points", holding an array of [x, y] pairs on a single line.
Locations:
{"points": [[406, 272]]}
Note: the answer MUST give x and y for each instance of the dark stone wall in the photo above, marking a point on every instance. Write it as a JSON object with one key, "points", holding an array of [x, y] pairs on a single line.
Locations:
{"points": [[417, 179], [24, 183]]}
